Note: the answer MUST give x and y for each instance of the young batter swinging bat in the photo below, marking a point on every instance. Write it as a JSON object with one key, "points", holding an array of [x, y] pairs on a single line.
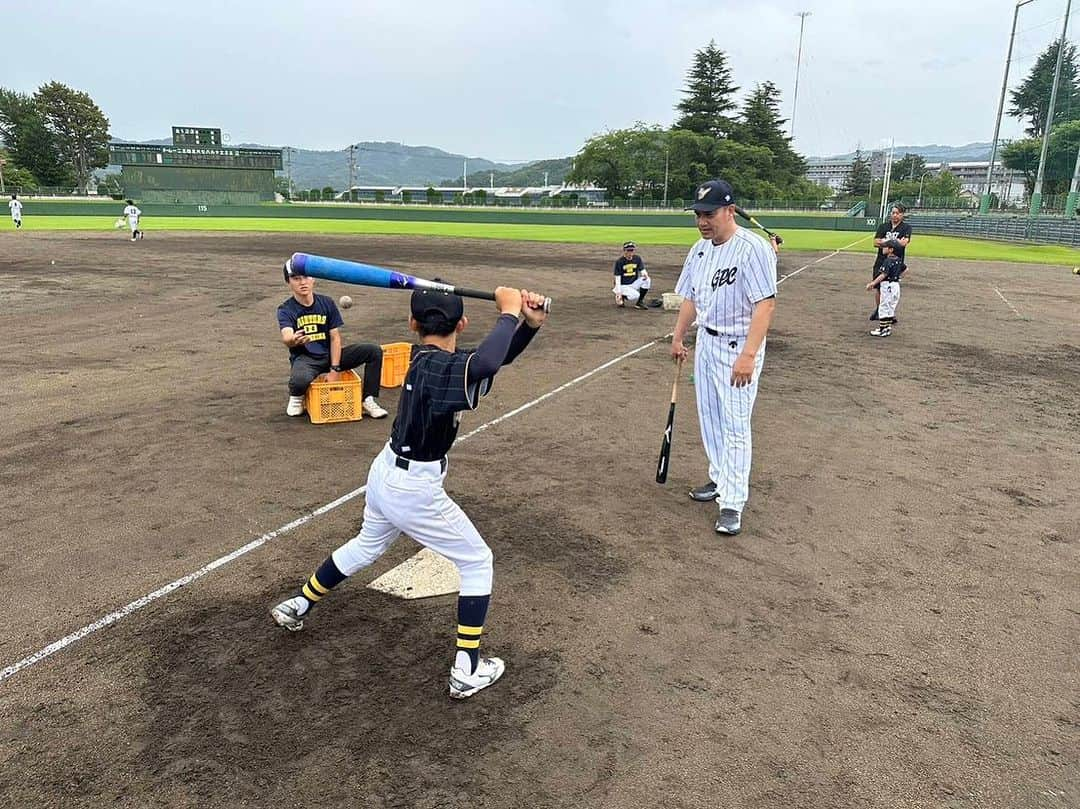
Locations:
{"points": [[756, 223], [369, 275], [665, 447]]}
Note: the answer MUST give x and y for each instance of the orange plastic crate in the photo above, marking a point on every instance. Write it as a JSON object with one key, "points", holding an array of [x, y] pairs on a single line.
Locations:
{"points": [[395, 364], [328, 402]]}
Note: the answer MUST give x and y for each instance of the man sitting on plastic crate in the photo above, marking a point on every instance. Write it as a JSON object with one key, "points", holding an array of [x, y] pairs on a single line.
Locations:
{"points": [[311, 328]]}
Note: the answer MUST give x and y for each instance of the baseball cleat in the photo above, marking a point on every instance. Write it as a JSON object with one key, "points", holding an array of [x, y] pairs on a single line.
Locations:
{"points": [[729, 522], [703, 494], [881, 331], [295, 406], [641, 304], [373, 409], [488, 670], [288, 615]]}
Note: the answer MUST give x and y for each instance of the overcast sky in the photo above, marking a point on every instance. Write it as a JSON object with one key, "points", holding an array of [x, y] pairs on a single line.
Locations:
{"points": [[520, 80]]}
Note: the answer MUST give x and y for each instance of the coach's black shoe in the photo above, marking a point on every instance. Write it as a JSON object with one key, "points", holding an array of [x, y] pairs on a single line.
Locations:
{"points": [[704, 494], [729, 522], [641, 304]]}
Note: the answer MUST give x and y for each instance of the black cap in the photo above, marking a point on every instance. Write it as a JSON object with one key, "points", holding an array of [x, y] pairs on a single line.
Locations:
{"points": [[292, 271], [712, 195], [430, 307], [893, 243], [629, 246]]}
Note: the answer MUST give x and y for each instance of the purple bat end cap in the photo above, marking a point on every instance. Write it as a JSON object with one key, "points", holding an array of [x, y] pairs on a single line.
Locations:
{"points": [[299, 262]]}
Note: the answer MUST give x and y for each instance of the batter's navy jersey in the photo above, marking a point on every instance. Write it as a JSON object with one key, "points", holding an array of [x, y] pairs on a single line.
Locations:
{"points": [[628, 270], [887, 231], [315, 321], [724, 281], [892, 267], [436, 389]]}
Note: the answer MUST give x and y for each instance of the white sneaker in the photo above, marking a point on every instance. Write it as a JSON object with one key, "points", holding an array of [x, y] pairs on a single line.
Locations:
{"points": [[295, 406], [289, 613], [488, 670], [373, 409]]}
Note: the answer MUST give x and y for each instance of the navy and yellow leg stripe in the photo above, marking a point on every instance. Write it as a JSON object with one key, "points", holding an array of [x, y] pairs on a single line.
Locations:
{"points": [[468, 637], [312, 590]]}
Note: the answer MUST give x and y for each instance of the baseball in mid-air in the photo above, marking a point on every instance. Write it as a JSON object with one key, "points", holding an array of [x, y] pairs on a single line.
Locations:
{"points": [[344, 301]]}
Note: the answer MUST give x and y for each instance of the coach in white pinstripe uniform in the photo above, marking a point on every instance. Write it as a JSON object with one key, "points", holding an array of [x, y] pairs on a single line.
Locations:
{"points": [[729, 285]]}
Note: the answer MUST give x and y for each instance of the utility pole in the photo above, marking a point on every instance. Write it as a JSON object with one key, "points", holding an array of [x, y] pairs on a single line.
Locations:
{"points": [[352, 169], [288, 170], [545, 179], [667, 155], [465, 174], [802, 15], [984, 202], [1036, 195]]}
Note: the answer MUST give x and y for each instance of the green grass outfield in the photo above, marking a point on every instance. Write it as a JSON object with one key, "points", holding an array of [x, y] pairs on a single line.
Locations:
{"points": [[808, 240]]}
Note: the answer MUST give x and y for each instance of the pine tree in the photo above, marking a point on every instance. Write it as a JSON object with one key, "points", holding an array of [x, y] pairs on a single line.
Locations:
{"points": [[1032, 99], [857, 182], [78, 127], [761, 125], [709, 94]]}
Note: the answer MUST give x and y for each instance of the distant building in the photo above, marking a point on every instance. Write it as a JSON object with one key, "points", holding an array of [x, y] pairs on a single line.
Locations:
{"points": [[833, 173], [585, 194], [1008, 184]]}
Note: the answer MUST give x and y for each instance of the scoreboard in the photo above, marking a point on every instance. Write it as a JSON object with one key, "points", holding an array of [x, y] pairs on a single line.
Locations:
{"points": [[195, 136], [215, 157]]}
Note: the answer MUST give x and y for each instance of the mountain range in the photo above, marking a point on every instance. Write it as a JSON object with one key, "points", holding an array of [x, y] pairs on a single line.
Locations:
{"points": [[393, 164], [931, 154]]}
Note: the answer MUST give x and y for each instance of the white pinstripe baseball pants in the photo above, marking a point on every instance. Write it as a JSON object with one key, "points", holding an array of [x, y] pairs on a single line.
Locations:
{"points": [[724, 415]]}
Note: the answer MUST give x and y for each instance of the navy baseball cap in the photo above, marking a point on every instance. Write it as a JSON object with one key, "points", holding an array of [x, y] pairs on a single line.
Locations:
{"points": [[712, 195], [429, 305], [893, 243], [289, 271], [629, 246]]}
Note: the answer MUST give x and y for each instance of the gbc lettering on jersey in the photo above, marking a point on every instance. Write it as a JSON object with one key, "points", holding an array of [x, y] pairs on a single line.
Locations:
{"points": [[724, 276]]}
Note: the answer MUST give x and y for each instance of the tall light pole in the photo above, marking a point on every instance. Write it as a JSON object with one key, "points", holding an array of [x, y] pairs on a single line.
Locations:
{"points": [[928, 174], [984, 202], [1036, 195], [802, 15]]}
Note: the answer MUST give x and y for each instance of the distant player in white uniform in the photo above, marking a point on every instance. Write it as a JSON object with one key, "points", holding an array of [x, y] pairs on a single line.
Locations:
{"points": [[133, 213], [728, 283], [16, 211]]}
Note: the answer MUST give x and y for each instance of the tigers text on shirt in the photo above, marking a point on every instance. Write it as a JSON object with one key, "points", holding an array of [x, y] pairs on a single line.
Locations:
{"points": [[724, 281]]}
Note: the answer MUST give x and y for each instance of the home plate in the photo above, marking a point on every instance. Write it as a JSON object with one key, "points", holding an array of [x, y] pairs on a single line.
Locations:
{"points": [[421, 576]]}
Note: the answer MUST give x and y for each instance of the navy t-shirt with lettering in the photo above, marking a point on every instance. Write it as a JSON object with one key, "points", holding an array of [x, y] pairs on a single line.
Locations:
{"points": [[315, 321]]}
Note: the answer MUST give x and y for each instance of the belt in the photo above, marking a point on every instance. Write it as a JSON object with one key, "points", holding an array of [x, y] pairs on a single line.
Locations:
{"points": [[403, 463], [716, 333]]}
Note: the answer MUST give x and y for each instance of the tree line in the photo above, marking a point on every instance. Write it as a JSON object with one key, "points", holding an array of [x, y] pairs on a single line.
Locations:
{"points": [[1031, 104], [55, 137], [714, 136]]}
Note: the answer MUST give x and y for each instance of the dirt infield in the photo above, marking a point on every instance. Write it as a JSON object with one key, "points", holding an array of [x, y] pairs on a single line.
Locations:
{"points": [[897, 625]]}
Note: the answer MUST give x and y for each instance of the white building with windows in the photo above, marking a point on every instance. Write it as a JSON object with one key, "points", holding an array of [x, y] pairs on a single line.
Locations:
{"points": [[1008, 184]]}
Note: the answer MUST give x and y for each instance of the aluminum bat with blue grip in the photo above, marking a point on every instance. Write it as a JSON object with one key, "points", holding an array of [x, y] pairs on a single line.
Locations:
{"points": [[370, 275]]}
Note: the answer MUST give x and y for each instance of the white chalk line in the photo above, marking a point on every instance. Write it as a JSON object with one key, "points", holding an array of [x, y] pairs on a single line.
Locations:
{"points": [[1008, 303], [823, 258], [149, 598]]}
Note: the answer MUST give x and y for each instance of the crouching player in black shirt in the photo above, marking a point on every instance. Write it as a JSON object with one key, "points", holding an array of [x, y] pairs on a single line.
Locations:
{"points": [[405, 484]]}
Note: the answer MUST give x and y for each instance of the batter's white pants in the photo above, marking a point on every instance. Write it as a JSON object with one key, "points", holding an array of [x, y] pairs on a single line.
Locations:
{"points": [[632, 292], [890, 299], [724, 415], [414, 502]]}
